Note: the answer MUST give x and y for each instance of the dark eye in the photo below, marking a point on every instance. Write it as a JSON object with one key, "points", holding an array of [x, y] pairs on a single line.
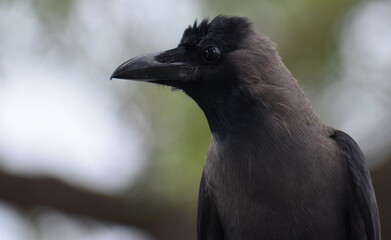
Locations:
{"points": [[210, 54]]}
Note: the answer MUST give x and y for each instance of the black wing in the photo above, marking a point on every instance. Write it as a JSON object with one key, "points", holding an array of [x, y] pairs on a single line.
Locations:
{"points": [[364, 215], [208, 223]]}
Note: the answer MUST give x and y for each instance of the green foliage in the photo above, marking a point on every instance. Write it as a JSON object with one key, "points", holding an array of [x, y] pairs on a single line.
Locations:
{"points": [[53, 14], [182, 137]]}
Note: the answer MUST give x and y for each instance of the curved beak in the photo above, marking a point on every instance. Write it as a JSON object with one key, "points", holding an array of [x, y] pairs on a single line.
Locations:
{"points": [[148, 69]]}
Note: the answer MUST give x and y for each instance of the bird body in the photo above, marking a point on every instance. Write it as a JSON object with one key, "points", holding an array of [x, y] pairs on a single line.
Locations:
{"points": [[273, 169], [291, 191]]}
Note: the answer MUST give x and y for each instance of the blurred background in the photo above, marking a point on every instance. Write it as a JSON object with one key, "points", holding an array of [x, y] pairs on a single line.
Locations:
{"points": [[82, 157]]}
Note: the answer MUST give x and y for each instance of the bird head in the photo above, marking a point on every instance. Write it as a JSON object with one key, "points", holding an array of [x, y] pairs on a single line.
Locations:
{"points": [[220, 57], [225, 65]]}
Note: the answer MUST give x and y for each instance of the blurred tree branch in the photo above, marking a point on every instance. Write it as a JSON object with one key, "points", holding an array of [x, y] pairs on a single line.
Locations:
{"points": [[161, 219]]}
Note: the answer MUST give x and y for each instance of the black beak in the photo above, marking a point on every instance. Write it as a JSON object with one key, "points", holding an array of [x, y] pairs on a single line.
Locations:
{"points": [[148, 69]]}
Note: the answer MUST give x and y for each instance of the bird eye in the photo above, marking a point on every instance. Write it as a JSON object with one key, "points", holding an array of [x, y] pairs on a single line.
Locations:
{"points": [[210, 54]]}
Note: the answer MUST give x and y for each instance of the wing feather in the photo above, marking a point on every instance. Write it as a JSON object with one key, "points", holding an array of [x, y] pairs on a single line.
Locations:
{"points": [[364, 215]]}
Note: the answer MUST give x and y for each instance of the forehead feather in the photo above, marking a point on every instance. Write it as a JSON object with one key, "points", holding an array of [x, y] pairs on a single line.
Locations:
{"points": [[230, 30]]}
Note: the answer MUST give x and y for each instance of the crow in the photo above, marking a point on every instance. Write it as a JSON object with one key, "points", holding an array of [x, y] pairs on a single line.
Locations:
{"points": [[273, 169]]}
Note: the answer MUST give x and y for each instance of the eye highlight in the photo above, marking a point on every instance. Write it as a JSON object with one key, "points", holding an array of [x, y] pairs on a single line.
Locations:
{"points": [[210, 54]]}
